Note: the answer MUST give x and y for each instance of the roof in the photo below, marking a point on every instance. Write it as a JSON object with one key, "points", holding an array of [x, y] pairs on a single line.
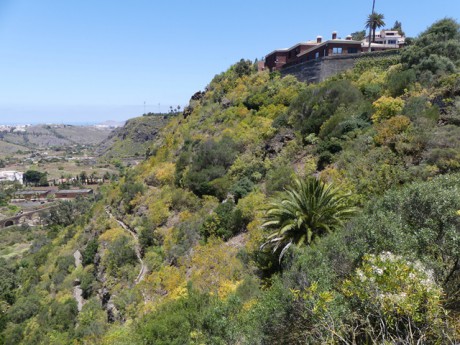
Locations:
{"points": [[380, 45], [308, 43], [278, 51], [32, 192], [76, 191], [328, 42], [284, 50]]}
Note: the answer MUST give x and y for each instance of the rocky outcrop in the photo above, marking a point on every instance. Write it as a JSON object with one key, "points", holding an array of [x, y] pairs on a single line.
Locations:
{"points": [[275, 145]]}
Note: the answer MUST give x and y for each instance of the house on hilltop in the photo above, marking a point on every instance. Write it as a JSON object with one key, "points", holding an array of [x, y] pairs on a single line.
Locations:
{"points": [[384, 40], [311, 50], [303, 52]]}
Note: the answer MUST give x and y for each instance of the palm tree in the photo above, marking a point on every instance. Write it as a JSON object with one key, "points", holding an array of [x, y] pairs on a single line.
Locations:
{"points": [[307, 210], [374, 21]]}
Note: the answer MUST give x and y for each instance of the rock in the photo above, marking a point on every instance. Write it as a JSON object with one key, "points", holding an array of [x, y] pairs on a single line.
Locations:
{"points": [[226, 103], [187, 112], [278, 142], [78, 258], [198, 96], [141, 210]]}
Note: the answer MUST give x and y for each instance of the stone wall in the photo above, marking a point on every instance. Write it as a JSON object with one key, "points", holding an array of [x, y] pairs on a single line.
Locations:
{"points": [[315, 71]]}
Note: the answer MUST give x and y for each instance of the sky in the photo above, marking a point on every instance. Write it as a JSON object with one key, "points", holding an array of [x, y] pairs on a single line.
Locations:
{"points": [[88, 61]]}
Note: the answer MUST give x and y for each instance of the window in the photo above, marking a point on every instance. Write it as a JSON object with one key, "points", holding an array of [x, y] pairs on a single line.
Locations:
{"points": [[352, 50], [317, 55], [337, 50], [391, 41]]}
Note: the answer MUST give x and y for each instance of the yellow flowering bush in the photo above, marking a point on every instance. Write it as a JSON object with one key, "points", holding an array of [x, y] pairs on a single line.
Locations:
{"points": [[386, 107]]}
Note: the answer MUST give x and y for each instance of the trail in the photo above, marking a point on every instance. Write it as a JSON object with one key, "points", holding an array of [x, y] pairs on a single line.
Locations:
{"points": [[77, 291], [137, 247]]}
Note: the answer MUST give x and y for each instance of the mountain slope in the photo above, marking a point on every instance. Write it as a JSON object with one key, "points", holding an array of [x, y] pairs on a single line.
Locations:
{"points": [[133, 139], [384, 135], [46, 136]]}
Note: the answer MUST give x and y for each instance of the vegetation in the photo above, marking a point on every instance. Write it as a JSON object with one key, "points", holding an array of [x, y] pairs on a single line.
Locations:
{"points": [[359, 173], [375, 21], [308, 210]]}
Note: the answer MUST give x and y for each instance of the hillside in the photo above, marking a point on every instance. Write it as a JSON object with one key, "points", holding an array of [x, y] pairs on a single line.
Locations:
{"points": [[269, 212], [133, 139], [48, 136]]}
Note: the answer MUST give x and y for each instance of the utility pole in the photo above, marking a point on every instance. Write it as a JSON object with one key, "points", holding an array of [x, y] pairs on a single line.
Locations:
{"points": [[370, 26]]}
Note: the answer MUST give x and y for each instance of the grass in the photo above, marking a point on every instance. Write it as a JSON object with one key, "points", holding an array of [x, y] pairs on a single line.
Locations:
{"points": [[14, 251]]}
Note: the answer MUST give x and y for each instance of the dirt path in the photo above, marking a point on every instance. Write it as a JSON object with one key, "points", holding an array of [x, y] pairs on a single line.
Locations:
{"points": [[77, 291], [137, 246]]}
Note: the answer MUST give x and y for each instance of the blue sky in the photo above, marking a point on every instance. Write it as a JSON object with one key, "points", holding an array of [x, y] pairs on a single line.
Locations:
{"points": [[95, 60]]}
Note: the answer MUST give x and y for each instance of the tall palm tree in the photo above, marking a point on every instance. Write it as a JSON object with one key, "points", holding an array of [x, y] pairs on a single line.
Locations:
{"points": [[307, 210], [374, 21]]}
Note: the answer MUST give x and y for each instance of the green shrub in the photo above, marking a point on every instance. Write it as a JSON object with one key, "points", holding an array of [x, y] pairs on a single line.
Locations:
{"points": [[324, 159], [317, 103], [225, 222], [436, 51], [395, 299], [278, 177], [90, 252], [211, 161], [399, 81], [242, 188]]}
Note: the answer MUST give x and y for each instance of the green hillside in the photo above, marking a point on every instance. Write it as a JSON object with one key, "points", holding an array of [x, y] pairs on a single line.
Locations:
{"points": [[269, 212], [133, 139]]}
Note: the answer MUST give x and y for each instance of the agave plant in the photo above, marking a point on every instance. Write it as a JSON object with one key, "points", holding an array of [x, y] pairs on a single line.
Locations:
{"points": [[306, 210]]}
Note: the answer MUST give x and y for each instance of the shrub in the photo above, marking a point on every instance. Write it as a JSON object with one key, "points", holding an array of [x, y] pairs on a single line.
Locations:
{"points": [[324, 159], [241, 188], [419, 222], [399, 81], [90, 252], [420, 107], [436, 51], [389, 130], [317, 103], [278, 177], [395, 299], [225, 222], [211, 161], [386, 107]]}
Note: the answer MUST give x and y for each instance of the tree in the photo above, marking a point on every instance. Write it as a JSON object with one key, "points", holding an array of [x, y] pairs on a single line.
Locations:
{"points": [[35, 177], [358, 35], [307, 210], [84, 177], [374, 21], [436, 51], [398, 26]]}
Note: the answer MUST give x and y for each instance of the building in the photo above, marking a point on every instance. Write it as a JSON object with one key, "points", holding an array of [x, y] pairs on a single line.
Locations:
{"points": [[32, 195], [385, 40], [311, 50], [11, 176], [333, 47], [72, 193]]}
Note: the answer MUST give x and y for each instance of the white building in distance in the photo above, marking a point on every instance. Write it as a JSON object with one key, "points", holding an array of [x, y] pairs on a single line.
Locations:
{"points": [[11, 176], [384, 40]]}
